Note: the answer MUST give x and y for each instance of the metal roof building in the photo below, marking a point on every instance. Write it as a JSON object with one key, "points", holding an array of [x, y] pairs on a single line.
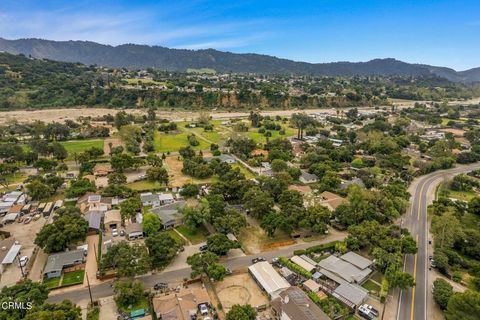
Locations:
{"points": [[352, 292], [57, 262], [303, 263], [12, 254], [268, 279]]}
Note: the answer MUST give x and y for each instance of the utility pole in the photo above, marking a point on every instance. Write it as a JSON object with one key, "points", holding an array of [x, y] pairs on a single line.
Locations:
{"points": [[21, 267], [89, 289]]}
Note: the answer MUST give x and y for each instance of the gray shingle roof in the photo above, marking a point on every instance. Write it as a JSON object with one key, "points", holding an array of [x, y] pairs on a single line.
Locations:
{"points": [[56, 262], [352, 292], [357, 260]]}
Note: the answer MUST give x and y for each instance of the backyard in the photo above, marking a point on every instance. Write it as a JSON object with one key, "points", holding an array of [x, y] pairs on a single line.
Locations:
{"points": [[195, 236]]}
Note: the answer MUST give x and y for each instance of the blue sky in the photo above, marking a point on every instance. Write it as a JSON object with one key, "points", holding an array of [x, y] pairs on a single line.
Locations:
{"points": [[445, 33]]}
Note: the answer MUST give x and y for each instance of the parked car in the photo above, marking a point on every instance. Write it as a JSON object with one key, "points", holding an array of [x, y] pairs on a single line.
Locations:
{"points": [[258, 259], [114, 232], [122, 233], [160, 285], [203, 309], [22, 262], [365, 313], [372, 309], [203, 248], [27, 220], [36, 217], [228, 271]]}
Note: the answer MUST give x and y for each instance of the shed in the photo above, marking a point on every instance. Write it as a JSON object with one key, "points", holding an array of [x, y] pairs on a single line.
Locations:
{"points": [[302, 263], [10, 217], [12, 254], [134, 231], [311, 286], [112, 219]]}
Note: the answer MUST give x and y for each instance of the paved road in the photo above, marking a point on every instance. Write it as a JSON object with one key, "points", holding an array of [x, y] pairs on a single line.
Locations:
{"points": [[412, 303], [105, 289]]}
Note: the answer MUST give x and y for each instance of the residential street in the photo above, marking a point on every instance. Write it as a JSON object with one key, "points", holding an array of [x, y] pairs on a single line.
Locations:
{"points": [[412, 303], [105, 289]]}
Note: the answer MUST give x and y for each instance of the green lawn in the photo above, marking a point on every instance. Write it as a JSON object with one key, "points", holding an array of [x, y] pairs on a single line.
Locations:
{"points": [[461, 195], [164, 142], [371, 286], [260, 138], [215, 136], [144, 185], [194, 235], [244, 170], [144, 81], [175, 236], [74, 277], [79, 146], [51, 283]]}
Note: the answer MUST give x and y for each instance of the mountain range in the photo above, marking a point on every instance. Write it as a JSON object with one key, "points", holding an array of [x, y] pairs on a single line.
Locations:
{"points": [[135, 56]]}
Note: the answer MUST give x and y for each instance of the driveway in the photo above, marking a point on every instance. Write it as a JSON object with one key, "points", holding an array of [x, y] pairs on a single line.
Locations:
{"points": [[91, 264], [180, 261]]}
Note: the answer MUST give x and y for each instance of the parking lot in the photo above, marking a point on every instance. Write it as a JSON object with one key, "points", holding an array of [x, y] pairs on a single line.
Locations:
{"points": [[25, 235]]}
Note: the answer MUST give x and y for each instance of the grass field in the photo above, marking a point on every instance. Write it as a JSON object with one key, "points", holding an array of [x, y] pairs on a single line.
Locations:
{"points": [[244, 170], [371, 286], [79, 146], [52, 283], [144, 185], [260, 138], [142, 304], [74, 277], [194, 235], [173, 142], [175, 236]]}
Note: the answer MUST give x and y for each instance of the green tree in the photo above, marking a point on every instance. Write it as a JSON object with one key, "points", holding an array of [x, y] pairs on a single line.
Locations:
{"points": [[128, 260], [128, 293], [151, 224], [190, 190], [130, 207], [216, 271], [201, 261], [442, 291], [69, 228], [194, 217], [279, 165], [117, 178], [39, 190], [239, 312], [80, 187], [258, 202], [58, 151], [465, 306], [162, 248], [219, 244], [24, 292], [66, 310], [157, 174]]}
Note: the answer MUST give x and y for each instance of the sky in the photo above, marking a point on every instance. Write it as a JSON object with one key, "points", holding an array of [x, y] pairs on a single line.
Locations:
{"points": [[436, 32]]}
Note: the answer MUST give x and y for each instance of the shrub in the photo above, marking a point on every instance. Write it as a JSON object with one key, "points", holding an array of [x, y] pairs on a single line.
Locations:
{"points": [[384, 290]]}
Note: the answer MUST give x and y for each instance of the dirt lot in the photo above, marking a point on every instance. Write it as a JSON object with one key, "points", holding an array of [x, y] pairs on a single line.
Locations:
{"points": [[25, 235], [240, 289], [176, 177]]}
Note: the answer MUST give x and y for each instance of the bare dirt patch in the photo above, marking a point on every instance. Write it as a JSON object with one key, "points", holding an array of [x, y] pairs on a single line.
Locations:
{"points": [[176, 178], [240, 289]]}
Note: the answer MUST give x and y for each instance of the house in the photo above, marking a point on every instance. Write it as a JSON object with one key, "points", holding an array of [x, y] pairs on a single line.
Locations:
{"points": [[169, 217], [268, 279], [102, 169], [311, 286], [306, 177], [59, 261], [94, 219], [357, 181], [71, 175], [351, 294], [294, 304], [134, 231], [181, 305], [225, 158], [166, 198], [112, 219], [331, 200], [149, 199], [93, 201], [350, 267]]}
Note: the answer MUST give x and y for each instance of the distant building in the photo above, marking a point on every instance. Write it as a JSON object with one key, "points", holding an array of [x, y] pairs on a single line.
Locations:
{"points": [[331, 200], [112, 219], [180, 306], [294, 304], [350, 267], [306, 177], [225, 158]]}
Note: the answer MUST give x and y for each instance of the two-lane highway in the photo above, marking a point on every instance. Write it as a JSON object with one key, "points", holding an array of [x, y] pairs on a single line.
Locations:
{"points": [[412, 303]]}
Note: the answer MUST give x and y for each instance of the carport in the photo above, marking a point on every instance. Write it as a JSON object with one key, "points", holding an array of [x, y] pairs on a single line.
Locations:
{"points": [[11, 255]]}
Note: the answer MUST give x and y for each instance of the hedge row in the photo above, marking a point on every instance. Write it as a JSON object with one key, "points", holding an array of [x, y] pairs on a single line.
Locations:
{"points": [[384, 290], [322, 247]]}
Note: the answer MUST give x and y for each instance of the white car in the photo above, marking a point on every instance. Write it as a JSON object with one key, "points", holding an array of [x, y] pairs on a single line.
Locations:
{"points": [[22, 262], [114, 232], [203, 309]]}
